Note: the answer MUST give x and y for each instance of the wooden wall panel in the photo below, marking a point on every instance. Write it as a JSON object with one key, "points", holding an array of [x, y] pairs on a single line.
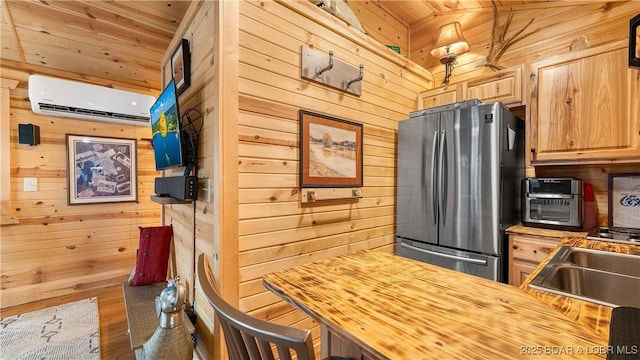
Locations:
{"points": [[195, 224], [381, 24], [276, 231], [597, 176], [57, 249]]}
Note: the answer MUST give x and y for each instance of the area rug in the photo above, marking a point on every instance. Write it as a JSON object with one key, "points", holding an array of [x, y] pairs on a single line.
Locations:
{"points": [[67, 331]]}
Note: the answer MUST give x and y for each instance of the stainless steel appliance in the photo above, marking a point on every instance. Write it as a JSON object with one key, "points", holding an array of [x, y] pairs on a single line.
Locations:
{"points": [[460, 168], [619, 235], [552, 203]]}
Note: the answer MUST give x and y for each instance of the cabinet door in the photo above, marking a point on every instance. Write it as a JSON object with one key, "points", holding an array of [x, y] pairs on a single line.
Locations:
{"points": [[584, 107], [504, 86], [440, 96], [519, 271], [525, 253]]}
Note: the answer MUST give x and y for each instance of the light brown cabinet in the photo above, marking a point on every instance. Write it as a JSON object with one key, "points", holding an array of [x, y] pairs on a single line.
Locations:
{"points": [[439, 96], [505, 86], [584, 108], [525, 253]]}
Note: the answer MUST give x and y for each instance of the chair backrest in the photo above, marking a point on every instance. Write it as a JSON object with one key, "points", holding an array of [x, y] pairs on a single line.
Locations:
{"points": [[250, 338]]}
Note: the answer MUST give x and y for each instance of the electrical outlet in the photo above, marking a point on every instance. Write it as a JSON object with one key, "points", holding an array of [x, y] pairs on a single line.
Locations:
{"points": [[204, 187], [30, 184]]}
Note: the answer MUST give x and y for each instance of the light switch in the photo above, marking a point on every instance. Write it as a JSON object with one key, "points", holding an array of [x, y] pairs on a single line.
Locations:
{"points": [[30, 184]]}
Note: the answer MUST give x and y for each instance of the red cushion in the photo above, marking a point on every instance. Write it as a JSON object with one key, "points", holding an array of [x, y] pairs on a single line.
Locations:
{"points": [[152, 258]]}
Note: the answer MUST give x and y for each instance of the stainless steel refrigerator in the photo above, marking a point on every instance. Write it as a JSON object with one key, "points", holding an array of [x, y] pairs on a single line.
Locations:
{"points": [[459, 173]]}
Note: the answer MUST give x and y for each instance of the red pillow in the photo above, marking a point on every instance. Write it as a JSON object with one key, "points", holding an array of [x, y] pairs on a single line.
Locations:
{"points": [[152, 257]]}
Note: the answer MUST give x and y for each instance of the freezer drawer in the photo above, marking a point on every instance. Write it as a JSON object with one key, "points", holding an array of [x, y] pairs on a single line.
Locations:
{"points": [[485, 266]]}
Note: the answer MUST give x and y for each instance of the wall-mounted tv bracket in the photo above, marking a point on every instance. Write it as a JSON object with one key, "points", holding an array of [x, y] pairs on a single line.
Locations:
{"points": [[327, 70]]}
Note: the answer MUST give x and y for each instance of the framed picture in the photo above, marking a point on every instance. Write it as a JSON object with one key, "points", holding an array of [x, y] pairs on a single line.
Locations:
{"points": [[181, 66], [634, 42], [624, 200], [101, 169], [330, 151]]}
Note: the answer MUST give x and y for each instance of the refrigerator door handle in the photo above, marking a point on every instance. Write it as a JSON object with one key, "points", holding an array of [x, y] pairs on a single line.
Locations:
{"points": [[448, 256], [434, 189], [442, 193]]}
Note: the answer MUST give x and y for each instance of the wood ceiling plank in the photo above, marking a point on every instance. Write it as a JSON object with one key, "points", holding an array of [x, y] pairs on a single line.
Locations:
{"points": [[34, 14], [57, 58], [21, 71], [409, 11], [73, 53], [89, 44], [115, 18], [8, 23], [165, 15]]}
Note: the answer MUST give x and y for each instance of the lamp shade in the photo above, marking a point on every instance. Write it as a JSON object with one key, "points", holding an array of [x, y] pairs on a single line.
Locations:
{"points": [[450, 40]]}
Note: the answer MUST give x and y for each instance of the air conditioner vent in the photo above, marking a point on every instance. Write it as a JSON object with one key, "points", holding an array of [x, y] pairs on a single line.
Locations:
{"points": [[73, 110], [60, 97]]}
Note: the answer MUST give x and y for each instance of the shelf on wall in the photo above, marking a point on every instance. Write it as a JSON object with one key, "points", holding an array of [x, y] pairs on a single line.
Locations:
{"points": [[166, 200]]}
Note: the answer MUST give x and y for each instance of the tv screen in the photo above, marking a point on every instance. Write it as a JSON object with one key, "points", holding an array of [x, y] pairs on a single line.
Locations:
{"points": [[165, 129]]}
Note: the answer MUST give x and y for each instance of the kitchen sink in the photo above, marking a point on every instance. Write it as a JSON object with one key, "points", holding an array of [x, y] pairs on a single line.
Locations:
{"points": [[606, 278], [603, 260]]}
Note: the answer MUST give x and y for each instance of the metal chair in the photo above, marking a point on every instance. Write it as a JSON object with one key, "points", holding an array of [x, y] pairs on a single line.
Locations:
{"points": [[250, 338]]}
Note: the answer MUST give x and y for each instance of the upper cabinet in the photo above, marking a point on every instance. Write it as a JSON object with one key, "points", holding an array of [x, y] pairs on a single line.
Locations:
{"points": [[505, 86], [584, 108], [439, 96]]}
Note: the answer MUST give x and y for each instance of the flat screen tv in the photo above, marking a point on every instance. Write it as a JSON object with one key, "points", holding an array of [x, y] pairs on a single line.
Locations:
{"points": [[165, 129]]}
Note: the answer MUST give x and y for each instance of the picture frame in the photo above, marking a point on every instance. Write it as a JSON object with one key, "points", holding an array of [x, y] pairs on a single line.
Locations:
{"points": [[101, 169], [330, 151], [634, 42], [624, 200], [181, 66]]}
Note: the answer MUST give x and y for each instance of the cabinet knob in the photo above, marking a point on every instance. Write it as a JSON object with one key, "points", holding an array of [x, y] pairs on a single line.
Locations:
{"points": [[533, 150]]}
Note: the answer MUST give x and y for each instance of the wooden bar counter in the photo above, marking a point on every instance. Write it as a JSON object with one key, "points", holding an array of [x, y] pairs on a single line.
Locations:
{"points": [[388, 307]]}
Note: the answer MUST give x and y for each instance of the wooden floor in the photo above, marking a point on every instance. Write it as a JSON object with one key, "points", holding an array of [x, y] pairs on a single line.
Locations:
{"points": [[114, 342]]}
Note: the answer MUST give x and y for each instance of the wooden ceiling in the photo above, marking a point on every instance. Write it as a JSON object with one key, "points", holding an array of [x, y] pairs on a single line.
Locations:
{"points": [[416, 11], [125, 40], [122, 41]]}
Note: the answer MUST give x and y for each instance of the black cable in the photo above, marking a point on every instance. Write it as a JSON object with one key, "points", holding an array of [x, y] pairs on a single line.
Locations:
{"points": [[192, 121]]}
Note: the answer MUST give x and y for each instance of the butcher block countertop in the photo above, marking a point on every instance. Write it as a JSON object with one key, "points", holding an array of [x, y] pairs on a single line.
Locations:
{"points": [[591, 315], [550, 233], [396, 308]]}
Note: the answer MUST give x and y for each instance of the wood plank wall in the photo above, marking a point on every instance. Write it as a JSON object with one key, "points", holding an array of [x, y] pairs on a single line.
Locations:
{"points": [[58, 249], [382, 25], [276, 230], [196, 225], [553, 32]]}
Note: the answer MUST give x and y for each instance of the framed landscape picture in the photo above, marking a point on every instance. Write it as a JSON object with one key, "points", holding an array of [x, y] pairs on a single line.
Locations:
{"points": [[330, 151], [101, 169]]}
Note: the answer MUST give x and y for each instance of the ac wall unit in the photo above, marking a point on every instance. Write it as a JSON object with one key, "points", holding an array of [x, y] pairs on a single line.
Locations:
{"points": [[52, 96]]}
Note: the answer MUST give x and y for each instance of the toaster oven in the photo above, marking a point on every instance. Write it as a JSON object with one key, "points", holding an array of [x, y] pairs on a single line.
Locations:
{"points": [[552, 203]]}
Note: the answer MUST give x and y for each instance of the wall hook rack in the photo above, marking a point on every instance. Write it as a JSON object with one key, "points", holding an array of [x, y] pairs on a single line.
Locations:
{"points": [[319, 70], [310, 195], [359, 78], [336, 74]]}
